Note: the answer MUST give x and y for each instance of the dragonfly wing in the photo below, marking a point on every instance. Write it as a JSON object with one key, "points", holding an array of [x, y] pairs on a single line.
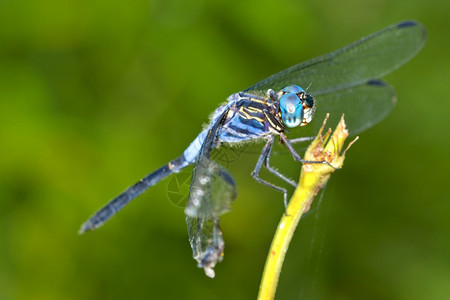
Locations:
{"points": [[211, 194], [206, 174], [364, 105], [370, 57], [223, 191], [206, 241], [212, 190]]}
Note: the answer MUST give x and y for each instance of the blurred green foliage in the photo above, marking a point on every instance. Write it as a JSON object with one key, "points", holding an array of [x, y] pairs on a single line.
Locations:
{"points": [[96, 94]]}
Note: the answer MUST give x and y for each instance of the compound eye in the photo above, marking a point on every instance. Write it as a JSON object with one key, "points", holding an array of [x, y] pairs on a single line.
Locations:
{"points": [[294, 89], [291, 109]]}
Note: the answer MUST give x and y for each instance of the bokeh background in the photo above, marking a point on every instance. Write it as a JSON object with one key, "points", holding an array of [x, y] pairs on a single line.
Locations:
{"points": [[96, 94]]}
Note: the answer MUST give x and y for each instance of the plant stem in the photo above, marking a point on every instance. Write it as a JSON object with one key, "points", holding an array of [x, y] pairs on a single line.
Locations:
{"points": [[312, 178]]}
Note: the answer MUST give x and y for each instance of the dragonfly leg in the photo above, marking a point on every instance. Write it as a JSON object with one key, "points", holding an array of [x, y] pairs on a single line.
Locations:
{"points": [[298, 158], [302, 139], [275, 171], [255, 174]]}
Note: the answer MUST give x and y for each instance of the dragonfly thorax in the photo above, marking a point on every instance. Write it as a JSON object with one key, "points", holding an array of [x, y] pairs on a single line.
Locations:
{"points": [[296, 107]]}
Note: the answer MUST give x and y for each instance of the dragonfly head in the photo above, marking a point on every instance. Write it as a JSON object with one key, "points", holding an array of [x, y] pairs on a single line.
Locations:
{"points": [[296, 107]]}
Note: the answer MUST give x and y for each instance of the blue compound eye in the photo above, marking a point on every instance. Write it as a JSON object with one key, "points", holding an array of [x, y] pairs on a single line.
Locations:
{"points": [[291, 110], [294, 89]]}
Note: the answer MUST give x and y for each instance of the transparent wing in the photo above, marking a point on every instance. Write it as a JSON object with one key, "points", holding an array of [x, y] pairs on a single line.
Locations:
{"points": [[212, 190], [364, 105], [212, 187], [370, 57], [211, 194], [206, 241]]}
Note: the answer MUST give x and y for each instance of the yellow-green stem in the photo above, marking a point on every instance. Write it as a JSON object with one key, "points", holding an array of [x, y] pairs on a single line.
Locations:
{"points": [[312, 179]]}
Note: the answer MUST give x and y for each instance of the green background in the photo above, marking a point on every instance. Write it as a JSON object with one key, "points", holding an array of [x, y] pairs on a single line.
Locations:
{"points": [[96, 94]]}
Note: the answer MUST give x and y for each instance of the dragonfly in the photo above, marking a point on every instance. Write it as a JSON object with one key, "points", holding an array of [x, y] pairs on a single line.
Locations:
{"points": [[344, 81]]}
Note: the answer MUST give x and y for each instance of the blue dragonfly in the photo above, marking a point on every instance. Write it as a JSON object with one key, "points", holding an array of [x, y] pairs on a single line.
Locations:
{"points": [[344, 81]]}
